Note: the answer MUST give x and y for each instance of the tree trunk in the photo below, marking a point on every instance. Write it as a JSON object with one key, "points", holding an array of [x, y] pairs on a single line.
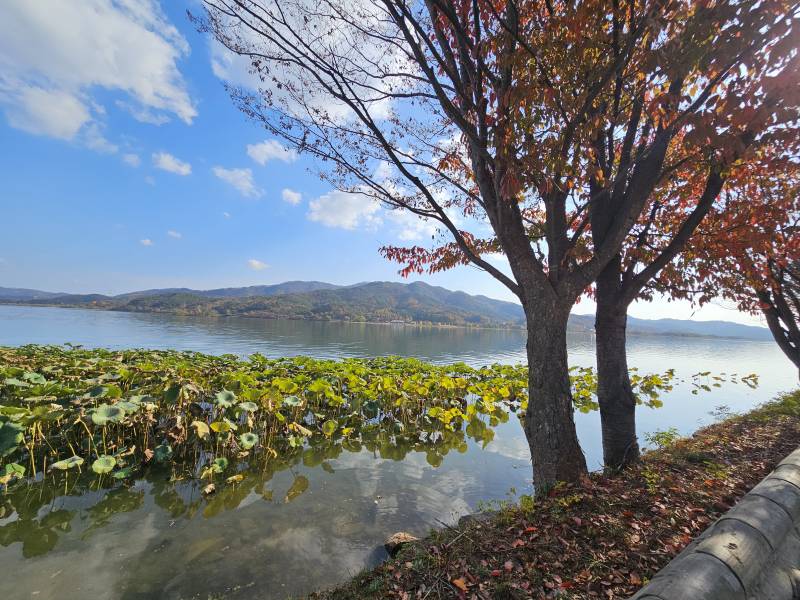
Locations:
{"points": [[614, 393], [549, 424]]}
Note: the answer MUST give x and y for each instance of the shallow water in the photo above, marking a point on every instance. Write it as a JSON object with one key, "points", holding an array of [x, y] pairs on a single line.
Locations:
{"points": [[303, 526]]}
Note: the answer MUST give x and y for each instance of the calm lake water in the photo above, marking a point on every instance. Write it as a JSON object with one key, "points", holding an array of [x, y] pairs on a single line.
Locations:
{"points": [[311, 522]]}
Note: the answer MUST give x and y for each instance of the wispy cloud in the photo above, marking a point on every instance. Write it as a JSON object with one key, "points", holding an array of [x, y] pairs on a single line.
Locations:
{"points": [[146, 242], [227, 215], [240, 179], [271, 150], [291, 196], [132, 160], [256, 264], [174, 234], [167, 162]]}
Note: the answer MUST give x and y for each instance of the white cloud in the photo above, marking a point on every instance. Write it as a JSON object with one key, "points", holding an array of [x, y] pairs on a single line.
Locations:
{"points": [[131, 159], [227, 215], [166, 162], [44, 112], [146, 242], [54, 55], [271, 150], [291, 196], [345, 210], [241, 179], [174, 234], [256, 264], [411, 227], [93, 138]]}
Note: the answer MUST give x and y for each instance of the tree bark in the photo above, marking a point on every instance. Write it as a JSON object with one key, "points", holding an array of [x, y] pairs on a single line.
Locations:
{"points": [[614, 393], [549, 420], [782, 335]]}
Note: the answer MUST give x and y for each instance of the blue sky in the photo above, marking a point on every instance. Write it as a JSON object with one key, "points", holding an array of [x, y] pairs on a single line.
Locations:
{"points": [[126, 166]]}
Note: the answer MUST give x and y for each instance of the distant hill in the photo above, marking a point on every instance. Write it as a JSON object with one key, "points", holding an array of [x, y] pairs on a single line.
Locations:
{"points": [[377, 301], [23, 294], [374, 301], [287, 287]]}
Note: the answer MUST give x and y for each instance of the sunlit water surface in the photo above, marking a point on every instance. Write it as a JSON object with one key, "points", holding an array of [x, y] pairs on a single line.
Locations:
{"points": [[266, 538]]}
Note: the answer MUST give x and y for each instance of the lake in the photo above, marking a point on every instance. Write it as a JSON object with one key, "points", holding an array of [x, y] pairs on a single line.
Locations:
{"points": [[270, 538]]}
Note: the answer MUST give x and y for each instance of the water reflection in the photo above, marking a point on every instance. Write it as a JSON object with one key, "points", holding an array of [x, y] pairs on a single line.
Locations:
{"points": [[305, 518]]}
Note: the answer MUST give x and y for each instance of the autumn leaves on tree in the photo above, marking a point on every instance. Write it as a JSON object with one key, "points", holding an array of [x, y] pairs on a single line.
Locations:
{"points": [[587, 142]]}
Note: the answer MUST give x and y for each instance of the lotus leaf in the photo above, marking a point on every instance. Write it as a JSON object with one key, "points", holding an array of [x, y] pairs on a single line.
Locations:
{"points": [[225, 399], [16, 382], [11, 435], [329, 427], [67, 463], [108, 413], [97, 391], [12, 471], [221, 426], [163, 452], [292, 401], [124, 473], [201, 429], [172, 393], [128, 406], [248, 406], [104, 464], [34, 378], [248, 440]]}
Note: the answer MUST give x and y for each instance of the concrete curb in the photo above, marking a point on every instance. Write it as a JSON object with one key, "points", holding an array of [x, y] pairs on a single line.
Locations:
{"points": [[752, 552]]}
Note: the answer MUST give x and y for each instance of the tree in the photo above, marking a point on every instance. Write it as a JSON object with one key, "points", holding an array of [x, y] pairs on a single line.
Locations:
{"points": [[496, 117], [748, 251]]}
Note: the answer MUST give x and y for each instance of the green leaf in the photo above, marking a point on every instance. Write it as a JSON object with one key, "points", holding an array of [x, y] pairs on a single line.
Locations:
{"points": [[248, 440], [171, 393], [248, 406], [108, 413], [292, 401], [225, 399], [221, 426], [11, 435], [97, 391], [329, 427], [124, 473], [16, 382], [163, 452], [219, 465], [12, 471], [34, 378], [104, 464]]}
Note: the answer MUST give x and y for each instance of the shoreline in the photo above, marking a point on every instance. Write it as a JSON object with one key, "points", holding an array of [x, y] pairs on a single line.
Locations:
{"points": [[413, 324], [604, 538]]}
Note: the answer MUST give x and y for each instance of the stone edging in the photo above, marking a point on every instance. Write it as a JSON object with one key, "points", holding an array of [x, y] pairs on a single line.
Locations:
{"points": [[752, 552]]}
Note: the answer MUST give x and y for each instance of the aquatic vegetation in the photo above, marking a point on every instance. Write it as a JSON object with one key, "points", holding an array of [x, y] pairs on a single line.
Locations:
{"points": [[207, 416], [198, 414]]}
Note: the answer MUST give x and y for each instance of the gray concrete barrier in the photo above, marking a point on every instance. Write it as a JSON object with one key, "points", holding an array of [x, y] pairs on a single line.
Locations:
{"points": [[752, 552]]}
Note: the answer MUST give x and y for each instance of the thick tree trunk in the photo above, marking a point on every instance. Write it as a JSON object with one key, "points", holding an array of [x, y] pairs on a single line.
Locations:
{"points": [[614, 393], [549, 424]]}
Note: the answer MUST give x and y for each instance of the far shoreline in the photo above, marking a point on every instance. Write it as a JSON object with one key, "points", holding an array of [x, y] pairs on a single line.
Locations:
{"points": [[414, 324]]}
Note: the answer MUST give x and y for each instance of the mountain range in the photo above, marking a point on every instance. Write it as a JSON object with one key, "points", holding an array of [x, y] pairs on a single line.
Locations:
{"points": [[376, 301]]}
